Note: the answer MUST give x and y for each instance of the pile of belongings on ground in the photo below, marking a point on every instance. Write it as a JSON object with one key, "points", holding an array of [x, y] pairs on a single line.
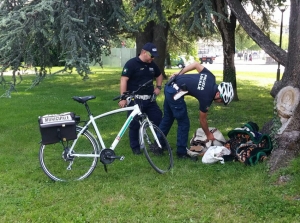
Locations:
{"points": [[245, 144]]}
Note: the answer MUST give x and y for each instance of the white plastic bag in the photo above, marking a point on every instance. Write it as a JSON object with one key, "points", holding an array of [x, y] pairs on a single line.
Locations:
{"points": [[200, 136], [215, 154]]}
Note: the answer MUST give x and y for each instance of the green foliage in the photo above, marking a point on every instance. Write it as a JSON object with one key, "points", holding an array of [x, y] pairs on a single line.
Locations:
{"points": [[47, 33], [148, 10], [197, 17], [131, 191], [186, 21], [261, 13], [180, 45], [275, 37], [128, 42], [243, 40]]}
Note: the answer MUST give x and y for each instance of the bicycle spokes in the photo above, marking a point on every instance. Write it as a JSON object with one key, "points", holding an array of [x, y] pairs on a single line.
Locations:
{"points": [[60, 164], [160, 157]]}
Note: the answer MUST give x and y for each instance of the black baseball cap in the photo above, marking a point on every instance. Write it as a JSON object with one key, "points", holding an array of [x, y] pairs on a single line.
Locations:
{"points": [[151, 48]]}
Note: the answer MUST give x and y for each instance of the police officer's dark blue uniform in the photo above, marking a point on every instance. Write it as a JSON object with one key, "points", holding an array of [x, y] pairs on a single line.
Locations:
{"points": [[201, 86], [136, 72]]}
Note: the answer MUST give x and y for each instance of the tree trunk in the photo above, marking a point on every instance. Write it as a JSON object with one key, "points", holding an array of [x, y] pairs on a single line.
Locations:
{"points": [[158, 35], [144, 36], [160, 41], [227, 31], [168, 61], [291, 73], [287, 144]]}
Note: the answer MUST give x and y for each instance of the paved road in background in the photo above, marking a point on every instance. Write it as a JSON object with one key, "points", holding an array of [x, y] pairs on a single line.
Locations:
{"points": [[240, 65], [251, 66]]}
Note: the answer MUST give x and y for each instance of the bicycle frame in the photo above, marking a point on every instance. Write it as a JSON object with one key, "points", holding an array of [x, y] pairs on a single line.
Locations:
{"points": [[135, 111]]}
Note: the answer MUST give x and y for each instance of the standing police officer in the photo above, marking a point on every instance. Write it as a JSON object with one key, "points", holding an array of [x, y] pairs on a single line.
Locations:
{"points": [[136, 72]]}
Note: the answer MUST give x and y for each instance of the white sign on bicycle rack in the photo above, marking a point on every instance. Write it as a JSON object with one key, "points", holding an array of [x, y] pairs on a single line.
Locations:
{"points": [[56, 119]]}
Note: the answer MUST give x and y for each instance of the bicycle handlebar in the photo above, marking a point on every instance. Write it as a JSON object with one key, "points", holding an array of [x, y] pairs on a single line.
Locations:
{"points": [[116, 98], [128, 94], [144, 85]]}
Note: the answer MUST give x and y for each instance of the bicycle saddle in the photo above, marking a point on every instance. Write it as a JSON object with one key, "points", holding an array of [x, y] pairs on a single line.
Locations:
{"points": [[83, 99]]}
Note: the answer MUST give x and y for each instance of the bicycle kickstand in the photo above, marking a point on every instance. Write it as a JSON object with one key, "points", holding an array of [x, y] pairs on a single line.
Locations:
{"points": [[107, 156]]}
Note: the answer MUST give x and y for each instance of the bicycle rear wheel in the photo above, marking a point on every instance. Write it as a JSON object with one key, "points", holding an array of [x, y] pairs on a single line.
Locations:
{"points": [[161, 159], [58, 167]]}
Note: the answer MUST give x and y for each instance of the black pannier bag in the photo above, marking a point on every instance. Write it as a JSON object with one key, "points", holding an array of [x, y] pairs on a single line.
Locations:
{"points": [[57, 127]]}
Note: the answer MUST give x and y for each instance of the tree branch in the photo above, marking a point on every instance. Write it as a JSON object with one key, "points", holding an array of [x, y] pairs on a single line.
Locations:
{"points": [[256, 34]]}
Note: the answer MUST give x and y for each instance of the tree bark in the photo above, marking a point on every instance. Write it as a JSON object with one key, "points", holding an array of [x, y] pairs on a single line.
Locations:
{"points": [[144, 36], [287, 144], [160, 41], [227, 31], [291, 75], [289, 141], [158, 35]]}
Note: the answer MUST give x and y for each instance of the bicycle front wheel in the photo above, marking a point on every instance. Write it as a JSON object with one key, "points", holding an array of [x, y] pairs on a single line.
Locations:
{"points": [[56, 165], [161, 159]]}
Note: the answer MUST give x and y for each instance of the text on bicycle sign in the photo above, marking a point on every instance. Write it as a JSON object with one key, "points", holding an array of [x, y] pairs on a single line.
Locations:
{"points": [[57, 118]]}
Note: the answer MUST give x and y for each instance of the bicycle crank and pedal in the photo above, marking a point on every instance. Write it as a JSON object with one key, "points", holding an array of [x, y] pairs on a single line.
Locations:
{"points": [[107, 156]]}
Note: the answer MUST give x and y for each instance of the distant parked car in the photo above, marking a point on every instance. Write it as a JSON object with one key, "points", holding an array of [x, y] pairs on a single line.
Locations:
{"points": [[177, 62], [206, 56]]}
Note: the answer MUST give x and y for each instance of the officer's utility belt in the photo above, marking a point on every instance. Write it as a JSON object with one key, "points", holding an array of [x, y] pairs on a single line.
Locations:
{"points": [[181, 90], [172, 83], [143, 97]]}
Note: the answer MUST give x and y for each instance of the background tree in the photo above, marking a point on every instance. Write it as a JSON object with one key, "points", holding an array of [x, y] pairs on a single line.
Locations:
{"points": [[288, 142], [184, 19], [201, 18], [152, 27], [226, 27], [76, 32], [285, 40], [243, 41], [255, 32], [179, 43]]}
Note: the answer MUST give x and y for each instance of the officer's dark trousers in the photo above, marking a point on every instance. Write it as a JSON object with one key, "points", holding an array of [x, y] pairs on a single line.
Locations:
{"points": [[154, 114], [176, 110]]}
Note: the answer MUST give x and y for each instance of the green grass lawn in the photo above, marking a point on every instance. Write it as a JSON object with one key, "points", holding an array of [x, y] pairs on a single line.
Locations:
{"points": [[131, 191]]}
